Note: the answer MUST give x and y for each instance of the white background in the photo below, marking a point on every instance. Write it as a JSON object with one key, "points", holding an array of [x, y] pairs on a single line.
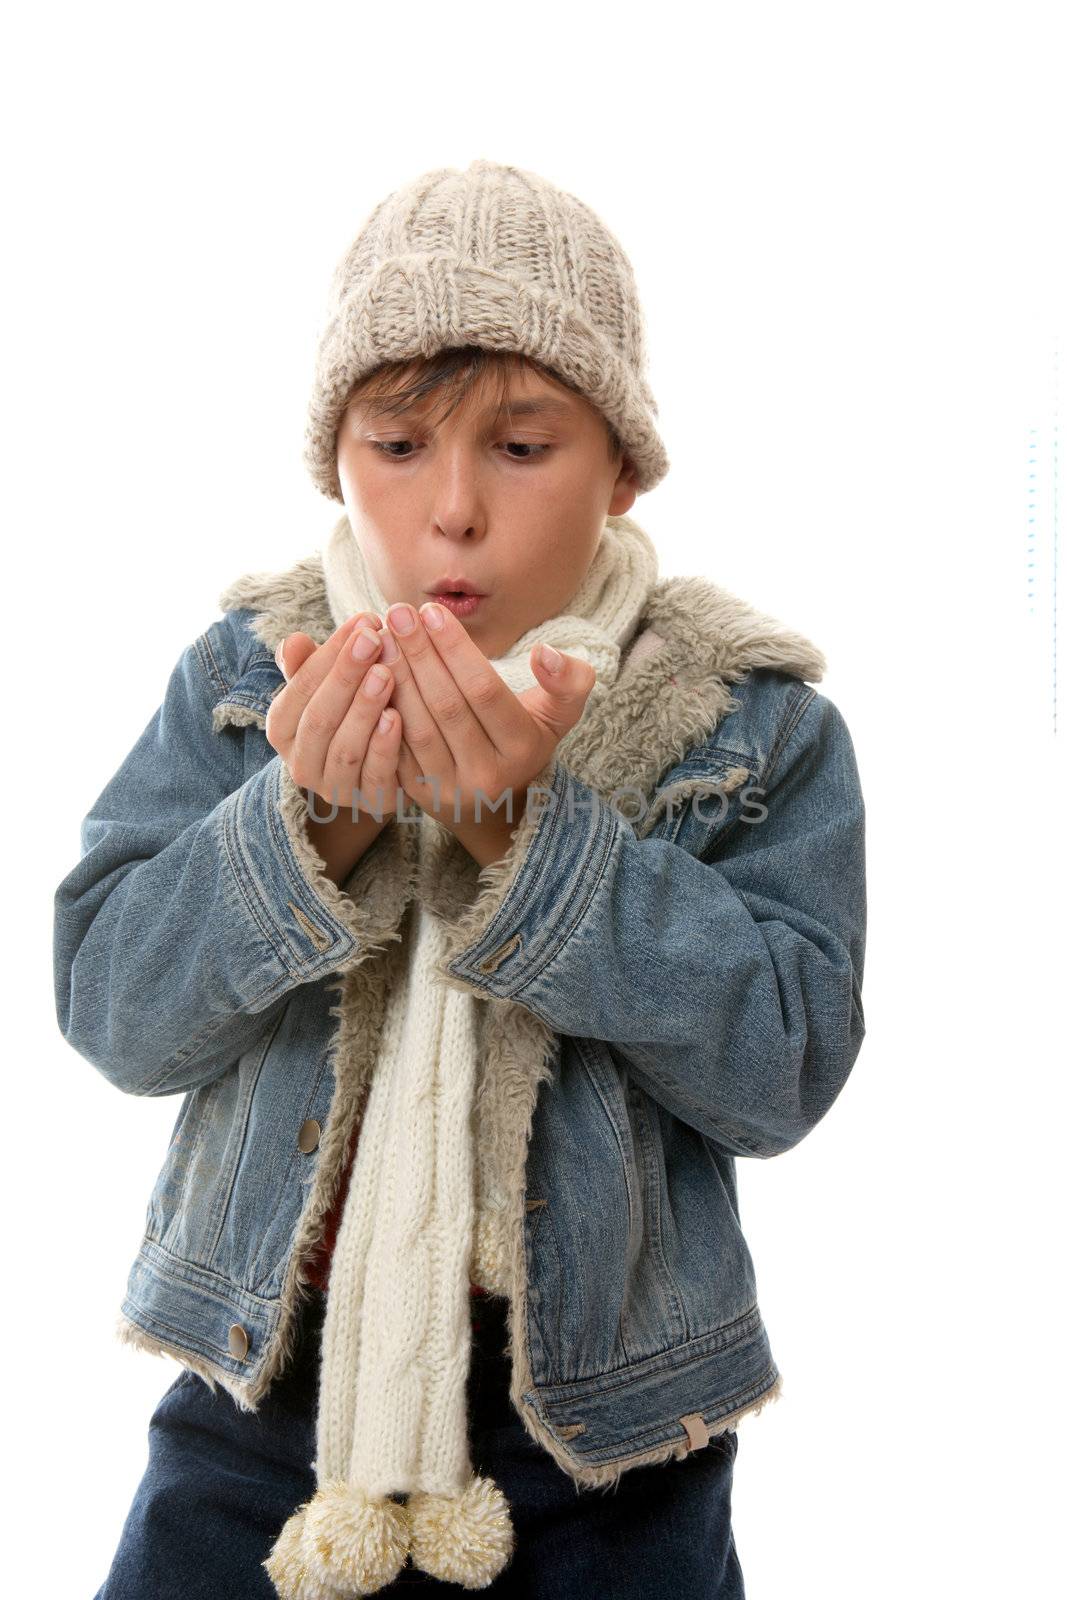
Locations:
{"points": [[847, 224]]}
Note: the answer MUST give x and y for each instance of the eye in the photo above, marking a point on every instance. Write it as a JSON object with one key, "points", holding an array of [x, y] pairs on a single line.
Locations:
{"points": [[516, 444], [385, 447], [392, 448]]}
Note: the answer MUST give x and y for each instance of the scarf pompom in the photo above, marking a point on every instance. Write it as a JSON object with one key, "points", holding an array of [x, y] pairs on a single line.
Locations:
{"points": [[342, 1544], [465, 1539], [288, 1569]]}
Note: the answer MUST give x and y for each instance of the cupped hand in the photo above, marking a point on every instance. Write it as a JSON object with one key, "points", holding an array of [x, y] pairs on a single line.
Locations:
{"points": [[326, 723], [467, 739]]}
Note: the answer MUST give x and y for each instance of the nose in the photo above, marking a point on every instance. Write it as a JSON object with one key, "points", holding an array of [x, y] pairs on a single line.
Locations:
{"points": [[459, 492]]}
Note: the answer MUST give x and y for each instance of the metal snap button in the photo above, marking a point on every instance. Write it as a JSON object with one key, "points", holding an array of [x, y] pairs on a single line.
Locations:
{"points": [[308, 1137], [238, 1341]]}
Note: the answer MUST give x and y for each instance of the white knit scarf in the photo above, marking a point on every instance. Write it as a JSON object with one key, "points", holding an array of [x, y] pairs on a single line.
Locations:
{"points": [[392, 1417]]}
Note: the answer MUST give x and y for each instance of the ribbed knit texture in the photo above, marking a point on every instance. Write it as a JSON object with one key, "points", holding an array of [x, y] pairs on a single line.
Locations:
{"points": [[318, 1260], [392, 1415], [494, 256]]}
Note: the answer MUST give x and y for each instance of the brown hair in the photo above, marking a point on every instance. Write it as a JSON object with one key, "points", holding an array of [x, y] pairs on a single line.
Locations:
{"points": [[396, 385]]}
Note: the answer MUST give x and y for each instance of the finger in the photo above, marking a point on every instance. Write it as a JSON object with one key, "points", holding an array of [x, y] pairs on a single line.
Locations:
{"points": [[446, 713], [295, 648], [284, 711], [558, 700], [422, 732], [413, 782], [493, 705], [286, 708], [293, 652], [410, 774], [350, 697], [303, 663], [379, 781], [342, 766]]}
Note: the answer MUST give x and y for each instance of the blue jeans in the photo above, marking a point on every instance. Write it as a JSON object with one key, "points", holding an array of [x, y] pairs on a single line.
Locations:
{"points": [[221, 1482]]}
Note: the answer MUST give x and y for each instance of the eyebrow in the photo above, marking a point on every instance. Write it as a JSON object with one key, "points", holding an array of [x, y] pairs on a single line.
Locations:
{"points": [[546, 406], [535, 407]]}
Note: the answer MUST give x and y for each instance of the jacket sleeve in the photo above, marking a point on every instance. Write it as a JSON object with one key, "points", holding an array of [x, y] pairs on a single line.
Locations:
{"points": [[729, 987], [198, 903]]}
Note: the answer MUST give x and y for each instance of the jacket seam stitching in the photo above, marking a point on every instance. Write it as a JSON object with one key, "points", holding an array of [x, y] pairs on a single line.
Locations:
{"points": [[584, 1052], [235, 858], [335, 931], [256, 1274], [180, 1336], [790, 720], [224, 1294], [514, 905], [645, 1137], [603, 837], [697, 1108], [263, 1048], [715, 1342], [177, 1063], [209, 664], [261, 701], [730, 1403]]}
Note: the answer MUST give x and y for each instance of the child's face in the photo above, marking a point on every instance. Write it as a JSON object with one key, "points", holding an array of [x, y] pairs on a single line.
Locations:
{"points": [[460, 498]]}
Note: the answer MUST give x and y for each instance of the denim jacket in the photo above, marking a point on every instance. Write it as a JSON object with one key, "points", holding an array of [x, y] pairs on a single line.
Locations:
{"points": [[669, 957]]}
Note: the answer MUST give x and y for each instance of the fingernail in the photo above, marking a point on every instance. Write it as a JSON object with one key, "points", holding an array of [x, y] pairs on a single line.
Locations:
{"points": [[390, 650], [366, 644], [375, 681], [402, 618], [431, 615], [550, 658]]}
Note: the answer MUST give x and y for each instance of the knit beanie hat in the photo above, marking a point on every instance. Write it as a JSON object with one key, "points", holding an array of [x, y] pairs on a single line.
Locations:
{"points": [[493, 256]]}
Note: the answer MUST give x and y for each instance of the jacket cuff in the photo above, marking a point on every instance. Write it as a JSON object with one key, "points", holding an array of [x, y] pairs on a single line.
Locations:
{"points": [[537, 893], [316, 926]]}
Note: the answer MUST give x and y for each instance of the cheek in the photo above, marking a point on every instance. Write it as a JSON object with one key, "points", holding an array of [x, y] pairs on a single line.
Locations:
{"points": [[548, 587], [371, 491], [564, 560]]}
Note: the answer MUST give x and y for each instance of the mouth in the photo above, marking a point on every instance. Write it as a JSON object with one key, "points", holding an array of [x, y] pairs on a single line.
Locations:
{"points": [[459, 597], [462, 602]]}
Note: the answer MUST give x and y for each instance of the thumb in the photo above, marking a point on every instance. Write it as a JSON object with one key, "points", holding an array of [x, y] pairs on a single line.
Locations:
{"points": [[293, 651], [564, 684]]}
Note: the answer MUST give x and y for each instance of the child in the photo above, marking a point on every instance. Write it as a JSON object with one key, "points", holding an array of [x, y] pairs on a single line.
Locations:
{"points": [[481, 935]]}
